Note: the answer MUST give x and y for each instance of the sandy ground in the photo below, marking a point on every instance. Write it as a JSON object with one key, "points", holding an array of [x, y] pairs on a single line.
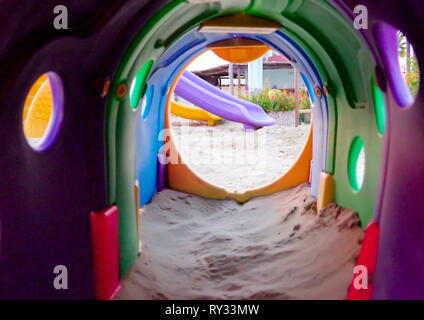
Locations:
{"points": [[228, 156], [274, 247]]}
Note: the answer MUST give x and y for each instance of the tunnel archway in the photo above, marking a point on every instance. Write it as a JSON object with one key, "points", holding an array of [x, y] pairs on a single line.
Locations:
{"points": [[339, 101]]}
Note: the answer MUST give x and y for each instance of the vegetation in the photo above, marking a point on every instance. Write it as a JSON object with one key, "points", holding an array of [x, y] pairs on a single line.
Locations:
{"points": [[272, 100], [411, 71], [412, 77]]}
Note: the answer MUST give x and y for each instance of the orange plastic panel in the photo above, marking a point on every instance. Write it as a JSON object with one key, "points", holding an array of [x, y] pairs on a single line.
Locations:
{"points": [[240, 54], [239, 50], [182, 178]]}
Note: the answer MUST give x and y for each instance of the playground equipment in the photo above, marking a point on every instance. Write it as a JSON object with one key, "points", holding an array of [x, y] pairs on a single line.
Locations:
{"points": [[239, 50], [198, 91], [98, 160], [193, 113], [38, 110]]}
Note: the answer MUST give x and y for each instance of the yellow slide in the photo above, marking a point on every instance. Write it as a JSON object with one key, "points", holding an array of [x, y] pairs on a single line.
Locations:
{"points": [[193, 113]]}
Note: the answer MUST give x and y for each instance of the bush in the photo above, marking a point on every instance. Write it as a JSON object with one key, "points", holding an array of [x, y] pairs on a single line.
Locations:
{"points": [[272, 100], [413, 78]]}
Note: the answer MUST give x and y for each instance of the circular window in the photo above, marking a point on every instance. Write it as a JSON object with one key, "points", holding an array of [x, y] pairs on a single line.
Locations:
{"points": [[214, 109], [409, 64], [43, 111], [356, 164], [401, 63]]}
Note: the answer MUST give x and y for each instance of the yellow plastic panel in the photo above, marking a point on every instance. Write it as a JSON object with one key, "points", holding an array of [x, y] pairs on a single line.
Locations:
{"points": [[39, 112], [193, 113], [326, 190]]}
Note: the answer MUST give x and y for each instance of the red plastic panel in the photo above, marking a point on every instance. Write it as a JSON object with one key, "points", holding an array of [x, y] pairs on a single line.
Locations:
{"points": [[104, 227], [368, 259]]}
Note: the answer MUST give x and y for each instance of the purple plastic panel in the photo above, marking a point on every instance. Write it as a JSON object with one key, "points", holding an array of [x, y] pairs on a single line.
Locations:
{"points": [[161, 172], [212, 99], [387, 39], [400, 212], [400, 273], [400, 259], [46, 197]]}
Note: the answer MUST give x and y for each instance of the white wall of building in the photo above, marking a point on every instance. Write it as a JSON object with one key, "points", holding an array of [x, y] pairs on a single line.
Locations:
{"points": [[255, 78], [280, 79]]}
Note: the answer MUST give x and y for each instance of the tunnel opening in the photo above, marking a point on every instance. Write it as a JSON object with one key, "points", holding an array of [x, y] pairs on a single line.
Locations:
{"points": [[153, 175], [225, 153]]}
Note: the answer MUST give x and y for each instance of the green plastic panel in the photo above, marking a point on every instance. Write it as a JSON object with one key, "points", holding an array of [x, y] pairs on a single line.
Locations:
{"points": [[355, 150], [379, 106], [139, 84], [345, 64]]}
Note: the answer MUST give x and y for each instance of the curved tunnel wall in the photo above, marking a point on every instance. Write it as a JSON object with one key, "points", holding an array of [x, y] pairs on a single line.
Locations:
{"points": [[341, 59], [46, 197], [338, 94]]}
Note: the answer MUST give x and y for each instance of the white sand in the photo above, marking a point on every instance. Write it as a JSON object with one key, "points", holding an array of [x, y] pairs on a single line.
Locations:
{"points": [[273, 247], [228, 156]]}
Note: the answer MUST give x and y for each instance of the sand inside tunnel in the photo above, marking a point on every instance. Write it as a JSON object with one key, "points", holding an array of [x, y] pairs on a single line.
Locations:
{"points": [[273, 247]]}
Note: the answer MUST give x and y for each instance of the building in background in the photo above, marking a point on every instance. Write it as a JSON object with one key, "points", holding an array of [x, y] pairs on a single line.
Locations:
{"points": [[273, 71]]}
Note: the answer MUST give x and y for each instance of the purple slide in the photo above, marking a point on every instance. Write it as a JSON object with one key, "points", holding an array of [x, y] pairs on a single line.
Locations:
{"points": [[201, 93]]}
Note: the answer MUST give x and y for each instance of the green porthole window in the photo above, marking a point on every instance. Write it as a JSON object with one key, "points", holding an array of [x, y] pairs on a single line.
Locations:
{"points": [[138, 84], [379, 106], [356, 164]]}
